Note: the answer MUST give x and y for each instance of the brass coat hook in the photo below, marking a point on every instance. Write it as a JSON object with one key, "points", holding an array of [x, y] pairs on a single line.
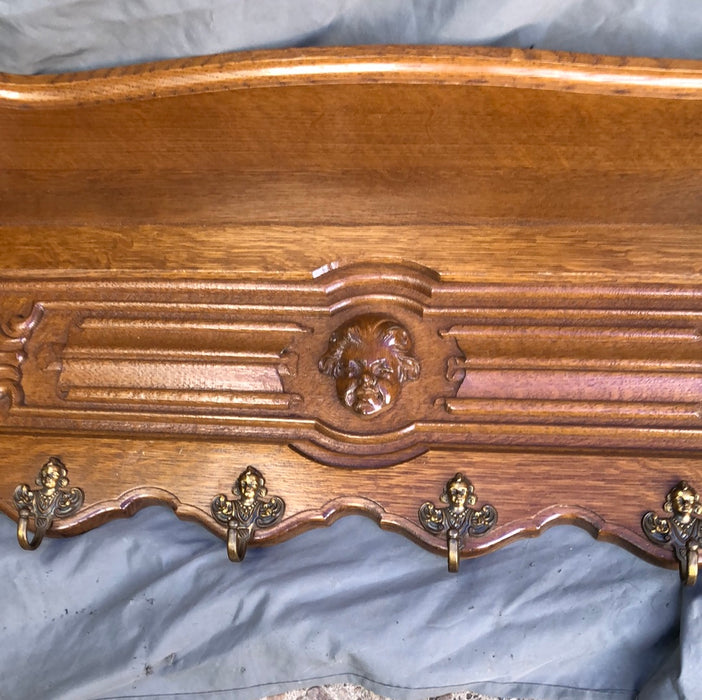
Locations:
{"points": [[246, 513], [52, 500], [458, 518], [682, 530]]}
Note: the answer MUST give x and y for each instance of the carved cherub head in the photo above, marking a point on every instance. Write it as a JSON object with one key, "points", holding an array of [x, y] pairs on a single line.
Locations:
{"points": [[52, 475], [683, 502], [458, 493], [370, 357], [250, 485]]}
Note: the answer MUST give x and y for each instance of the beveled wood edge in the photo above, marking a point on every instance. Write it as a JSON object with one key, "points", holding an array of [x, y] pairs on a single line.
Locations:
{"points": [[438, 65], [136, 499], [22, 261]]}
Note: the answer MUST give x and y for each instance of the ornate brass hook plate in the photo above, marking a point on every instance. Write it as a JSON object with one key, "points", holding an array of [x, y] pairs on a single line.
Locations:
{"points": [[458, 518], [682, 530], [249, 511], [53, 500]]}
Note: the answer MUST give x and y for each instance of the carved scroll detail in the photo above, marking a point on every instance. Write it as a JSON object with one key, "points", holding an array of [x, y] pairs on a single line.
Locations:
{"points": [[14, 334]]}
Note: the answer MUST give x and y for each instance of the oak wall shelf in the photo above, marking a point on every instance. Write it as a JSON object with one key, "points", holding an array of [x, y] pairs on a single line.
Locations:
{"points": [[378, 277]]}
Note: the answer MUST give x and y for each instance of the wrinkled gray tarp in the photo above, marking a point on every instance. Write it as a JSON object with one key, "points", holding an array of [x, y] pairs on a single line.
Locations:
{"points": [[63, 35], [151, 607]]}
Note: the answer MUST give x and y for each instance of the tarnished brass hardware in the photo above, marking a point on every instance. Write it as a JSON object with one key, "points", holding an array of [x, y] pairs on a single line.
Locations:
{"points": [[249, 511], [458, 518], [53, 500], [682, 530]]}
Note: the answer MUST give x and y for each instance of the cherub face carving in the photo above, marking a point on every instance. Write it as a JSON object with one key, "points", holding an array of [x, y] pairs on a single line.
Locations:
{"points": [[683, 502], [370, 357], [250, 485], [52, 475], [458, 493]]}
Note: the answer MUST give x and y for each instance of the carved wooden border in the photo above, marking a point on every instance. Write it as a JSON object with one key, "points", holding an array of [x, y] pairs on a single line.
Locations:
{"points": [[522, 367]]}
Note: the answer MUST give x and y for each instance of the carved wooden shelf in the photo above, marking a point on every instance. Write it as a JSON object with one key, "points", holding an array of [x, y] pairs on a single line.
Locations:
{"points": [[361, 272]]}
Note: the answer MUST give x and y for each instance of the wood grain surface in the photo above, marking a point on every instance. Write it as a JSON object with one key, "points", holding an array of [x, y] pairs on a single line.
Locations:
{"points": [[182, 241]]}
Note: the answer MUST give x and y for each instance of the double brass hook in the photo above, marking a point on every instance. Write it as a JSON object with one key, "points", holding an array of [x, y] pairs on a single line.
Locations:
{"points": [[682, 530], [458, 518], [51, 500], [251, 510]]}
